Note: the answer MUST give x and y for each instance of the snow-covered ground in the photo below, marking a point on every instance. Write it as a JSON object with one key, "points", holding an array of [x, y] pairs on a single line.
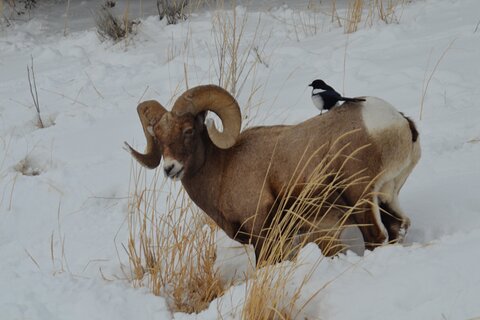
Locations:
{"points": [[62, 225]]}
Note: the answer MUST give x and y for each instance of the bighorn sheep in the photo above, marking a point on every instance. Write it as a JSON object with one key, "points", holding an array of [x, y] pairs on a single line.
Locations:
{"points": [[232, 175]]}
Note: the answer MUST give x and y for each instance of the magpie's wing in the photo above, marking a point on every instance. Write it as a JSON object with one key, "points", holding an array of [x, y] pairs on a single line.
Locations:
{"points": [[332, 95], [330, 98]]}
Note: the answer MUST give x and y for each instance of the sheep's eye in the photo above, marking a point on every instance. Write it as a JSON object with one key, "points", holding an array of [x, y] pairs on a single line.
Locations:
{"points": [[188, 132]]}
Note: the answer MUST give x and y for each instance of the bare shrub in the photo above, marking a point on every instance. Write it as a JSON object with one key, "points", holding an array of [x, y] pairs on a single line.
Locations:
{"points": [[110, 27], [172, 10], [20, 7]]}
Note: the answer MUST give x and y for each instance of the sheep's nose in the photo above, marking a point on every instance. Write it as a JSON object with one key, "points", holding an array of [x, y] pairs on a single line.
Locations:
{"points": [[168, 169]]}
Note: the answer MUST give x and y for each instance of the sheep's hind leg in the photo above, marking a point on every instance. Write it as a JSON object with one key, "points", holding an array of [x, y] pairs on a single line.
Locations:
{"points": [[395, 221], [393, 217], [370, 223]]}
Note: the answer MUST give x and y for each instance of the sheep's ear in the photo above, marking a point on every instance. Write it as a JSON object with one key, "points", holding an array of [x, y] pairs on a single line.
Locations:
{"points": [[200, 118]]}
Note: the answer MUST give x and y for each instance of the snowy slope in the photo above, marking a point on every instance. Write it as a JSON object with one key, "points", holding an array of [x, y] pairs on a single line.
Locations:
{"points": [[61, 231]]}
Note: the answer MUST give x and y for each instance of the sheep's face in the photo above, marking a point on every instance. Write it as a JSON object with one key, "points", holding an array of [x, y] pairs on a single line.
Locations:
{"points": [[179, 138]]}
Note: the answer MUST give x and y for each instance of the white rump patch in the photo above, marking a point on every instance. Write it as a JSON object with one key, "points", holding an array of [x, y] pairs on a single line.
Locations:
{"points": [[378, 114]]}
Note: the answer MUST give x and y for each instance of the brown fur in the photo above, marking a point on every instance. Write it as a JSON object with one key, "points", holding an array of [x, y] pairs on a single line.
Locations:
{"points": [[228, 186]]}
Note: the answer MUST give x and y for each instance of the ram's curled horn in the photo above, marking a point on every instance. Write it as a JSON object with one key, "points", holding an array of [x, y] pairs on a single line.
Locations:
{"points": [[150, 112], [218, 100]]}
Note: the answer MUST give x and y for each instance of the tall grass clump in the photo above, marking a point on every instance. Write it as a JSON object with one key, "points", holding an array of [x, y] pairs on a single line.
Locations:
{"points": [[354, 15], [171, 248], [239, 57], [388, 11], [236, 55], [316, 215]]}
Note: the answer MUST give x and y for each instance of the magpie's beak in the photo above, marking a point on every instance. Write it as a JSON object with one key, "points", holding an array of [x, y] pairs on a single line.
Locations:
{"points": [[310, 85]]}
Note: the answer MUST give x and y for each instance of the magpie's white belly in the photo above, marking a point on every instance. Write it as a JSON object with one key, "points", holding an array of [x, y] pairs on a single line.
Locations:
{"points": [[318, 102]]}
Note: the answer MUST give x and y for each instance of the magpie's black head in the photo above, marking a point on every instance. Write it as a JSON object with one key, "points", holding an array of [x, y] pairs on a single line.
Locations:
{"points": [[319, 84]]}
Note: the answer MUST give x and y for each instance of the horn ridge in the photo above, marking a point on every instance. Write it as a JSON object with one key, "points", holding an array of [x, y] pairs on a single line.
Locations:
{"points": [[218, 100], [149, 112]]}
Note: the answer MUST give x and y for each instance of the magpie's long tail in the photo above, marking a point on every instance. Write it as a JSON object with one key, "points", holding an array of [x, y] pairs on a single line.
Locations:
{"points": [[351, 99]]}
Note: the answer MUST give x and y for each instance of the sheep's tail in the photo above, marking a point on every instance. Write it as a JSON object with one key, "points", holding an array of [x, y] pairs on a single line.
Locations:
{"points": [[413, 127]]}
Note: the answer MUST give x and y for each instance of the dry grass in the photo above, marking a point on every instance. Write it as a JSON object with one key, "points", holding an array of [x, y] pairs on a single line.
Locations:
{"points": [[4, 147], [354, 15], [67, 10], [17, 8], [306, 23], [6, 195], [110, 27], [171, 252], [389, 11], [27, 167], [371, 11], [235, 54], [239, 58], [172, 10], [317, 212], [427, 80], [312, 216], [57, 247], [34, 93], [2, 16]]}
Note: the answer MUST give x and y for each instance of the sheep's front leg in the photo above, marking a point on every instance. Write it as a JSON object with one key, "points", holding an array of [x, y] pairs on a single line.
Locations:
{"points": [[259, 225]]}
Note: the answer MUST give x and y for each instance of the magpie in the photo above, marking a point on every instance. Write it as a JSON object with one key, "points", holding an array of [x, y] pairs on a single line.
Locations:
{"points": [[325, 97]]}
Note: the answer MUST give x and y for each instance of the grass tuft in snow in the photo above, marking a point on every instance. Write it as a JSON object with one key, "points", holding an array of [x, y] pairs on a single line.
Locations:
{"points": [[27, 167], [172, 252], [34, 93]]}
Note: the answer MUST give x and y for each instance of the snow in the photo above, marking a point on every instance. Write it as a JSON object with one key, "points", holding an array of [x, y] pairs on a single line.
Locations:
{"points": [[62, 226]]}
